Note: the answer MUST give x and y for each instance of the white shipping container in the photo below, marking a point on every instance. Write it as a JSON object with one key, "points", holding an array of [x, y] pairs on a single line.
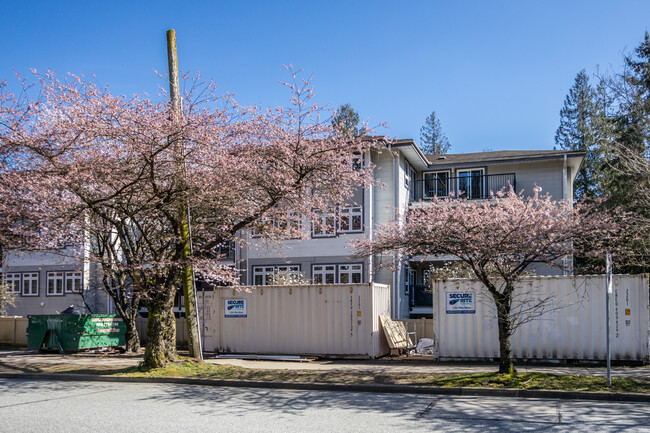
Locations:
{"points": [[573, 325], [332, 320]]}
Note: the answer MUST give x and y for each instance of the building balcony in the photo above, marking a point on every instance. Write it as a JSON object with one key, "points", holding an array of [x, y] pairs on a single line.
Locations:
{"points": [[470, 185], [419, 295]]}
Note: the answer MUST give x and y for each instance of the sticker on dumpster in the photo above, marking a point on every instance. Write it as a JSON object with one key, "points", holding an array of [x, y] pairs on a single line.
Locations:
{"points": [[460, 303], [234, 308]]}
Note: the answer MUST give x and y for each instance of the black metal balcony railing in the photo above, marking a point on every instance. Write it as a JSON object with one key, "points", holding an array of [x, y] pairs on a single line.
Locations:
{"points": [[420, 295], [472, 185]]}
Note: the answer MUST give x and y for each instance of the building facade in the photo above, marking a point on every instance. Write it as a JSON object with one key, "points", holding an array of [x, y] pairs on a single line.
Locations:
{"points": [[49, 282]]}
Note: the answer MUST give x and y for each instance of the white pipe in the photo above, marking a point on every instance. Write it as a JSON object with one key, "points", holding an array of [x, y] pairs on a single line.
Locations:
{"points": [[395, 291], [371, 224], [565, 270], [564, 180]]}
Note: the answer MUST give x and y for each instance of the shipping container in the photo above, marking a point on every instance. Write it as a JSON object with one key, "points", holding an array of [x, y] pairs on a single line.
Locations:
{"points": [[325, 320], [571, 325]]}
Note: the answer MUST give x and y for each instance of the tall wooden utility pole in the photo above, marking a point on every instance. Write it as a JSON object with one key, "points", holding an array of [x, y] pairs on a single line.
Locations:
{"points": [[194, 340]]}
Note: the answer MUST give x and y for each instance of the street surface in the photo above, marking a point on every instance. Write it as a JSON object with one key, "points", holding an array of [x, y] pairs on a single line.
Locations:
{"points": [[67, 406]]}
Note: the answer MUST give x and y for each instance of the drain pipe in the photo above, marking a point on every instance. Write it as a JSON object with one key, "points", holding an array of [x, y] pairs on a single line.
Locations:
{"points": [[371, 223], [565, 188], [395, 291]]}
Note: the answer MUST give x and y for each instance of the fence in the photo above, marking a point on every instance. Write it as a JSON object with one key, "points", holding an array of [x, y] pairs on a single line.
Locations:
{"points": [[423, 327], [181, 331], [13, 330]]}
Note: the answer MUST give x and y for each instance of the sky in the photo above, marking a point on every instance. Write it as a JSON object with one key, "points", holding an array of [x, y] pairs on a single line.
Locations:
{"points": [[495, 72]]}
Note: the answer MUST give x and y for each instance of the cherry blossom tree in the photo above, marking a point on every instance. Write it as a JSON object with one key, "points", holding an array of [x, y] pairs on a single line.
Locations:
{"points": [[106, 167], [499, 241]]}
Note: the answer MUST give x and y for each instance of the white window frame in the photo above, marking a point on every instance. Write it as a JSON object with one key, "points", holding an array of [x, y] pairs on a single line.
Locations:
{"points": [[320, 225], [70, 278], [435, 180], [31, 283], [320, 274], [267, 272], [469, 194], [348, 271], [14, 281], [54, 277], [349, 213]]}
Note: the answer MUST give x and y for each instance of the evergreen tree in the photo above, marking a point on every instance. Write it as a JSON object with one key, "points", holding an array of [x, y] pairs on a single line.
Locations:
{"points": [[346, 121], [584, 126], [627, 178], [432, 139]]}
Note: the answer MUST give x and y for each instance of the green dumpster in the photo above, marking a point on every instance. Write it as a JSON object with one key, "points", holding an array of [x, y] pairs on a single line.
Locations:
{"points": [[74, 332]]}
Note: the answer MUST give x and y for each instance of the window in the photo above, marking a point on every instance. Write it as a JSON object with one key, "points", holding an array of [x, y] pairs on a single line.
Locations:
{"points": [[409, 175], [290, 225], [470, 183], [351, 219], [323, 274], [436, 184], [350, 274], [13, 281], [268, 275], [55, 283], [357, 161], [30, 284], [324, 225], [73, 282]]}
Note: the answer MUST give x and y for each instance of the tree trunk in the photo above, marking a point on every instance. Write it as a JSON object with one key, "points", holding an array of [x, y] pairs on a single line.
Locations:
{"points": [[161, 332], [132, 336], [505, 331]]}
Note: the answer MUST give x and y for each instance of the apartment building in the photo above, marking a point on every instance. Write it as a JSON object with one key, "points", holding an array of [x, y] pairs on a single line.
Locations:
{"points": [[48, 282], [407, 178]]}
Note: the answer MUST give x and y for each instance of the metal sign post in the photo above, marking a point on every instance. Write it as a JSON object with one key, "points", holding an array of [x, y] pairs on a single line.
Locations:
{"points": [[608, 291]]}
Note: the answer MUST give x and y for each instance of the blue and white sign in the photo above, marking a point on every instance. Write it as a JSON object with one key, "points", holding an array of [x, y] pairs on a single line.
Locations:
{"points": [[460, 303], [234, 307]]}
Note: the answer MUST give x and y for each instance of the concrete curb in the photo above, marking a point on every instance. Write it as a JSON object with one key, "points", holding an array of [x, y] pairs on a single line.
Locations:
{"points": [[400, 389]]}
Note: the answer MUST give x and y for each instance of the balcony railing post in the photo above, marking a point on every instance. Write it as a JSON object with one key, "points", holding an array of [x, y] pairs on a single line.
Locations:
{"points": [[426, 189]]}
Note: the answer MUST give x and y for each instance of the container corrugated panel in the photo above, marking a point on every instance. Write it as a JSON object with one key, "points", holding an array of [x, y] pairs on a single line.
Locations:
{"points": [[572, 325], [340, 319]]}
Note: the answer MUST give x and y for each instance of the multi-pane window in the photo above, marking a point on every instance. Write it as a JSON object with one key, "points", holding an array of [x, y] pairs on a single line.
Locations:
{"points": [[351, 219], [73, 282], [324, 225], [30, 284], [55, 283], [290, 225], [270, 275], [350, 274], [436, 184], [12, 280], [323, 274]]}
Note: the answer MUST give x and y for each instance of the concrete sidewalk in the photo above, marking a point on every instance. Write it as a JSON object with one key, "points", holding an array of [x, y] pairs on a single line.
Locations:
{"points": [[27, 361]]}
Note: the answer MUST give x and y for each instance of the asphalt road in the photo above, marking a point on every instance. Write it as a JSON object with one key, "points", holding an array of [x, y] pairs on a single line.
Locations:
{"points": [[61, 406]]}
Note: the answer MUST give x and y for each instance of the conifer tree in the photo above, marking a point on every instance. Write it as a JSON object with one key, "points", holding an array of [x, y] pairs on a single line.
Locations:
{"points": [[432, 139], [346, 121], [584, 127]]}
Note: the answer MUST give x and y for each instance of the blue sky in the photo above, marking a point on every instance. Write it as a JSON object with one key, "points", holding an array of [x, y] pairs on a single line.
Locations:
{"points": [[495, 72]]}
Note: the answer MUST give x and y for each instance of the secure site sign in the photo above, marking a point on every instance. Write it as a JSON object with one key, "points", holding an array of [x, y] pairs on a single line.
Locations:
{"points": [[234, 307], [460, 302]]}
